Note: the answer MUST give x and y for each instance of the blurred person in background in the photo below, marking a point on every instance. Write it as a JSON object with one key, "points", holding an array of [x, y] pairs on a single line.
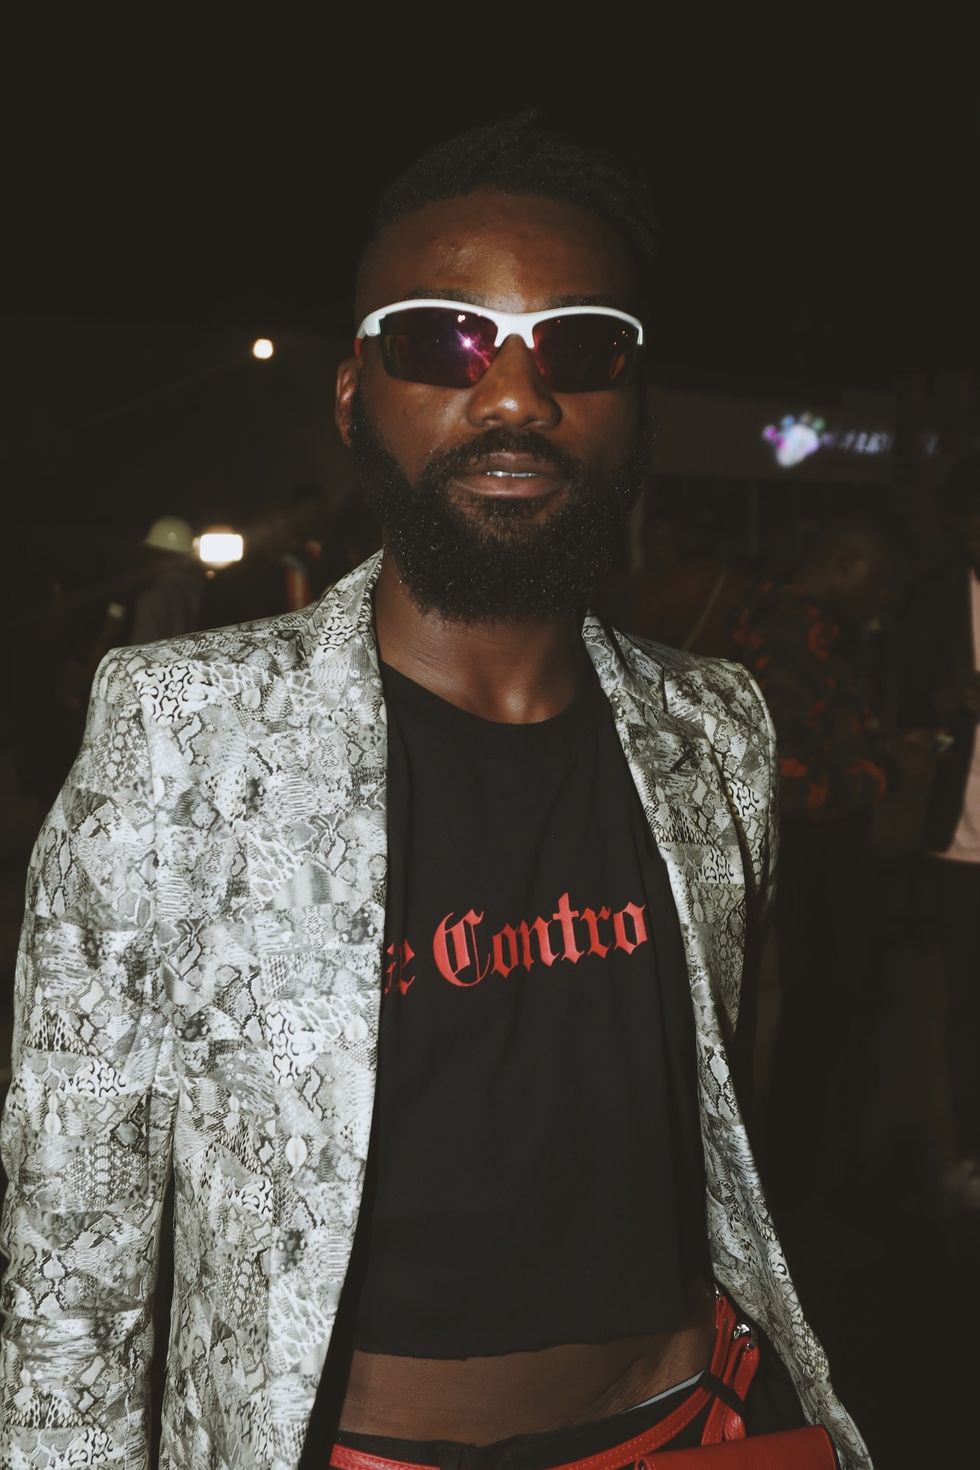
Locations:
{"points": [[170, 601], [683, 594], [282, 567], [301, 552], [941, 707], [807, 641]]}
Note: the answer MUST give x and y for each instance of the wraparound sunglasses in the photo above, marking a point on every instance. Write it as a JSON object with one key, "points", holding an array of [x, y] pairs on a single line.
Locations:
{"points": [[450, 344]]}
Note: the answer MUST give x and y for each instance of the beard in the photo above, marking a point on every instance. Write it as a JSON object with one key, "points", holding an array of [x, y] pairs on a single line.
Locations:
{"points": [[500, 563]]}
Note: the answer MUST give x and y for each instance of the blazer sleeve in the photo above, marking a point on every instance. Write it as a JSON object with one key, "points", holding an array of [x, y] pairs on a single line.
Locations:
{"points": [[756, 801], [87, 1125], [767, 851], [752, 775]]}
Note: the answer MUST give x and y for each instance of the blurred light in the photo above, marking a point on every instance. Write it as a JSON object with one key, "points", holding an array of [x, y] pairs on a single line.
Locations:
{"points": [[220, 548], [262, 348], [795, 439]]}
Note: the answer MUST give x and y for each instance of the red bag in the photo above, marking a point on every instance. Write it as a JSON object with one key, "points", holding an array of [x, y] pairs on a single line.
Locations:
{"points": [[724, 1445], [792, 1449]]}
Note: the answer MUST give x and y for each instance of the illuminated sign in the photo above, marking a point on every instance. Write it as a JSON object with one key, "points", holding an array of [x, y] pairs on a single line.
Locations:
{"points": [[795, 439]]}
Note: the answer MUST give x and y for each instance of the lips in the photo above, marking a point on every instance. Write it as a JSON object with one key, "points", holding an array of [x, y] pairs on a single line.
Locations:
{"points": [[515, 475]]}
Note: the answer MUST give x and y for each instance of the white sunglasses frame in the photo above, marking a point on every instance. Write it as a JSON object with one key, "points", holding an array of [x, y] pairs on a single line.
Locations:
{"points": [[508, 323]]}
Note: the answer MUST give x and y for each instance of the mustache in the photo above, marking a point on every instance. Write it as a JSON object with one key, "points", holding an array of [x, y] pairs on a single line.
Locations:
{"points": [[464, 458]]}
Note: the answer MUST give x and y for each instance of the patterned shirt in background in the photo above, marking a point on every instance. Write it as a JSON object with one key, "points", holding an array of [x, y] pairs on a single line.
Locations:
{"points": [[808, 667]]}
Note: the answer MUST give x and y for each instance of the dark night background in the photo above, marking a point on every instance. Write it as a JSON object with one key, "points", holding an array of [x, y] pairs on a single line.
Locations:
{"points": [[169, 194], [174, 185], [172, 190]]}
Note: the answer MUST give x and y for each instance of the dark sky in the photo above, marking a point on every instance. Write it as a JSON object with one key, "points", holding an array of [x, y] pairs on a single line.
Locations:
{"points": [[174, 183], [816, 187]]}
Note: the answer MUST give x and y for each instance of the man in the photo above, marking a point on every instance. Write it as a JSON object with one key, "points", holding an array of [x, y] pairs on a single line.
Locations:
{"points": [[435, 865], [942, 706], [170, 602], [806, 642]]}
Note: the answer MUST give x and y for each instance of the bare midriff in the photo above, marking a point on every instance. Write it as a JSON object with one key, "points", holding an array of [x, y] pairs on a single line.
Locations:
{"points": [[480, 1400]]}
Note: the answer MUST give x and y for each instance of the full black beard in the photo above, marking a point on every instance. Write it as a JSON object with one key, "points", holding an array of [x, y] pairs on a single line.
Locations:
{"points": [[497, 566]]}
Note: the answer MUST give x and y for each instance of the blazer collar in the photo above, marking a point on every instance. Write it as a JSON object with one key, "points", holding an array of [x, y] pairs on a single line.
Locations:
{"points": [[340, 645], [657, 720], [338, 637], [665, 733]]}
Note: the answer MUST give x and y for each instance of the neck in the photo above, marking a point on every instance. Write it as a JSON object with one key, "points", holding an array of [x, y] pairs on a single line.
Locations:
{"points": [[517, 673]]}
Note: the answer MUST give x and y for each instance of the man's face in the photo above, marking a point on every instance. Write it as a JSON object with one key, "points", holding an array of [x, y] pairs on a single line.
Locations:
{"points": [[503, 499]]}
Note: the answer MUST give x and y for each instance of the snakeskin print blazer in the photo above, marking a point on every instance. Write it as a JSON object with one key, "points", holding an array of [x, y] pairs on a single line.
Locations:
{"points": [[198, 991]]}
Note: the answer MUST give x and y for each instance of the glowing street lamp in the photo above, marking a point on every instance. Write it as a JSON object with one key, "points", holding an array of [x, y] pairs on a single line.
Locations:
{"points": [[220, 548]]}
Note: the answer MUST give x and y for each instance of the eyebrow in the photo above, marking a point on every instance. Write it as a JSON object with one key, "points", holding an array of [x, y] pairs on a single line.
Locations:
{"points": [[477, 298]]}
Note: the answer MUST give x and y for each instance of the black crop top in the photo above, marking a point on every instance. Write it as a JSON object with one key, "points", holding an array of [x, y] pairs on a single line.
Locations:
{"points": [[536, 1174]]}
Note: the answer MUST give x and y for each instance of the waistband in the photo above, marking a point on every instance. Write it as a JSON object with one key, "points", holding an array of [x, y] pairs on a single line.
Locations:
{"points": [[705, 1414]]}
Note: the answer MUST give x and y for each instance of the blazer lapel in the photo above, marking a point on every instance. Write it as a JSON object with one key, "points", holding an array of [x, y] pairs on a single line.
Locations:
{"points": [[679, 783], [319, 915], [328, 904]]}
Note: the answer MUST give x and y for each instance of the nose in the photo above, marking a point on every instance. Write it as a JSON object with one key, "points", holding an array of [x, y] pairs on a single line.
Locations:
{"points": [[512, 392]]}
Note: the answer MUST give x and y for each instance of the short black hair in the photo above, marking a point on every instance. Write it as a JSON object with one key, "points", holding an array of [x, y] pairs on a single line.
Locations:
{"points": [[521, 154]]}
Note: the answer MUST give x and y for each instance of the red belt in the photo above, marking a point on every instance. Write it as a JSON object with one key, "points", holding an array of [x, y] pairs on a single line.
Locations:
{"points": [[734, 1361]]}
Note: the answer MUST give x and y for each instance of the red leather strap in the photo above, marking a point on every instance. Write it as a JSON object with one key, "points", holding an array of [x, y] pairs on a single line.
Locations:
{"points": [[737, 1353], [793, 1449], [734, 1361], [342, 1457]]}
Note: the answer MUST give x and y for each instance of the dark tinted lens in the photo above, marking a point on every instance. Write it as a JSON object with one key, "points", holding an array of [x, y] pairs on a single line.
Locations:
{"points": [[432, 344], [584, 354]]}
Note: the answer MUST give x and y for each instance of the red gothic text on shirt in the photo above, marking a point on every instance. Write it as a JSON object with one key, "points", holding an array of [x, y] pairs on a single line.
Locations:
{"points": [[465, 955]]}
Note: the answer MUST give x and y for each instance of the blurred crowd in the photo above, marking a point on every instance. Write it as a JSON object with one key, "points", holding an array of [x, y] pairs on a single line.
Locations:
{"points": [[866, 648], [866, 645], [159, 587]]}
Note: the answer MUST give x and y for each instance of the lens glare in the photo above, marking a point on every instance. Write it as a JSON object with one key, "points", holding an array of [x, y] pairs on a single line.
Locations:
{"points": [[431, 344]]}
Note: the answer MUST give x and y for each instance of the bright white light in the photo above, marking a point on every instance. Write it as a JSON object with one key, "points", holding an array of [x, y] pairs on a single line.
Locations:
{"points": [[220, 548], [262, 348]]}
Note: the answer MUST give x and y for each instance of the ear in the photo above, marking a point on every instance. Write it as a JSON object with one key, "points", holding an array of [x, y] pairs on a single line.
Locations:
{"points": [[348, 377]]}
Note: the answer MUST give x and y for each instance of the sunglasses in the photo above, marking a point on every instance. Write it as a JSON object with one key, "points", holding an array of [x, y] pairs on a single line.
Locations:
{"points": [[450, 344]]}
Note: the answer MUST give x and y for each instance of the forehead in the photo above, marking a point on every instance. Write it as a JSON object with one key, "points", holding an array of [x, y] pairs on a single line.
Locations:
{"points": [[515, 252]]}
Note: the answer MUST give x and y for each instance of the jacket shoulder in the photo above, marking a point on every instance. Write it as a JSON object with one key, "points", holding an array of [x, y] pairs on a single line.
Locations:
{"points": [[249, 654], [241, 653], [261, 641]]}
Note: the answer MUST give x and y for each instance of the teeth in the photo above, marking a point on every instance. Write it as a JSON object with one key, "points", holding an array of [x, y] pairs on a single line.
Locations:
{"points": [[512, 474]]}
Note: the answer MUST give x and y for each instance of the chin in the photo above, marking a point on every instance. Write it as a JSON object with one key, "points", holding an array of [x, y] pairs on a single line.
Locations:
{"points": [[500, 514]]}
